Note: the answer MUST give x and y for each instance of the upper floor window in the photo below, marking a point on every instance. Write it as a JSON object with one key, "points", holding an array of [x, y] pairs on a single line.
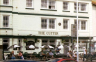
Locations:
{"points": [[48, 4], [65, 6], [81, 24], [6, 2], [5, 21], [65, 24], [47, 23], [29, 3], [81, 6]]}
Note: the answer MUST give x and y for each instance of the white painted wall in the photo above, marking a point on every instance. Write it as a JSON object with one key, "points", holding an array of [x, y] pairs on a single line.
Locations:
{"points": [[31, 24]]}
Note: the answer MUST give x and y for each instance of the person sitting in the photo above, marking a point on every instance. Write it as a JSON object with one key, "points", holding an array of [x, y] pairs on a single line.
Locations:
{"points": [[57, 51], [12, 55], [51, 54], [69, 54], [20, 55], [42, 54], [74, 55]]}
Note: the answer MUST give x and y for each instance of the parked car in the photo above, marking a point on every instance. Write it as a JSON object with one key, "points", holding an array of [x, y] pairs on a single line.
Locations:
{"points": [[62, 60], [20, 61]]}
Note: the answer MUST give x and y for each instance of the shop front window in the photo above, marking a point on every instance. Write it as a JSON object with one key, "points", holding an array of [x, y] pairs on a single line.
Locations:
{"points": [[28, 44]]}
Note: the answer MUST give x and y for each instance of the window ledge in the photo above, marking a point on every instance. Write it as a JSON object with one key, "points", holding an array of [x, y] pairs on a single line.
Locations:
{"points": [[65, 11], [7, 28], [5, 6], [81, 12], [6, 51], [49, 9], [30, 8]]}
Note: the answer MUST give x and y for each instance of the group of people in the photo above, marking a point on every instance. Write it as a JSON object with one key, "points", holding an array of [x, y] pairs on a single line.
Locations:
{"points": [[74, 54], [71, 55], [20, 55], [50, 53]]}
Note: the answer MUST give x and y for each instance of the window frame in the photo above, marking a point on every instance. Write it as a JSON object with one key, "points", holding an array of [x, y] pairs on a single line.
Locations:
{"points": [[67, 6], [31, 5], [80, 25], [5, 22], [47, 4], [67, 24], [6, 43], [49, 42], [29, 43], [48, 19], [79, 7], [7, 2]]}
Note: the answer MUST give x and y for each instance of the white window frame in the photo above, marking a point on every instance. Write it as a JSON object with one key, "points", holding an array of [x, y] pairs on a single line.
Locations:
{"points": [[5, 3], [85, 25], [79, 25], [31, 5], [67, 6], [48, 42], [79, 7], [48, 23], [48, 5], [67, 24], [5, 21]]}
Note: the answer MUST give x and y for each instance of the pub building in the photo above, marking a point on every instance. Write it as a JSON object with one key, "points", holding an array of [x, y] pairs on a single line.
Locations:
{"points": [[38, 23]]}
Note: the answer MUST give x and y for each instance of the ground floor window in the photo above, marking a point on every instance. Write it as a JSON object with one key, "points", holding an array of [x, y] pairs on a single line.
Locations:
{"points": [[49, 42], [28, 44], [5, 44]]}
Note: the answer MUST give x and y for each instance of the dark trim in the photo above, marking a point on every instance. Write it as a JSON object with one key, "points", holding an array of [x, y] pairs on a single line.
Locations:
{"points": [[21, 13], [30, 8], [5, 6], [49, 9], [42, 37], [6, 51], [65, 11], [80, 12], [7, 28]]}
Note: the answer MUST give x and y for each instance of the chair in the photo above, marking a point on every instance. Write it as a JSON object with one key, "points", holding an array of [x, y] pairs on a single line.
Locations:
{"points": [[25, 54], [34, 55]]}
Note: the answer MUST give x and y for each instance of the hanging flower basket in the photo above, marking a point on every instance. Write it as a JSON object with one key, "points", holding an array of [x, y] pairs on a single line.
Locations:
{"points": [[25, 40], [63, 41], [36, 41], [74, 41]]}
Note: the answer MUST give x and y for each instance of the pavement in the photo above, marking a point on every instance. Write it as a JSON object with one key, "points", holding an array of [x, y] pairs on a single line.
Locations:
{"points": [[79, 61]]}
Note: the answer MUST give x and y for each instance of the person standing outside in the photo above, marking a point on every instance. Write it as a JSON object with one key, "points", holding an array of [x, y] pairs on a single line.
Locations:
{"points": [[84, 53]]}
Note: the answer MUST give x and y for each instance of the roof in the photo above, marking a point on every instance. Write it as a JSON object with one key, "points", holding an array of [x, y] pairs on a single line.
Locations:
{"points": [[94, 2]]}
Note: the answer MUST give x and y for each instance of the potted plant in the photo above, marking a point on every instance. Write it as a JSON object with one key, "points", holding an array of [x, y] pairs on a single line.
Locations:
{"points": [[36, 41]]}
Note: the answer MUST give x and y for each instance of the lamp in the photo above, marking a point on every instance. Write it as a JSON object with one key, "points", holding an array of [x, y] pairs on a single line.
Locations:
{"points": [[50, 46], [31, 46], [16, 46]]}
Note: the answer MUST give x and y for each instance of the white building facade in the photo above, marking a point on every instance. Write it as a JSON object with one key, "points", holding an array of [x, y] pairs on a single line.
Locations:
{"points": [[46, 21], [93, 24]]}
